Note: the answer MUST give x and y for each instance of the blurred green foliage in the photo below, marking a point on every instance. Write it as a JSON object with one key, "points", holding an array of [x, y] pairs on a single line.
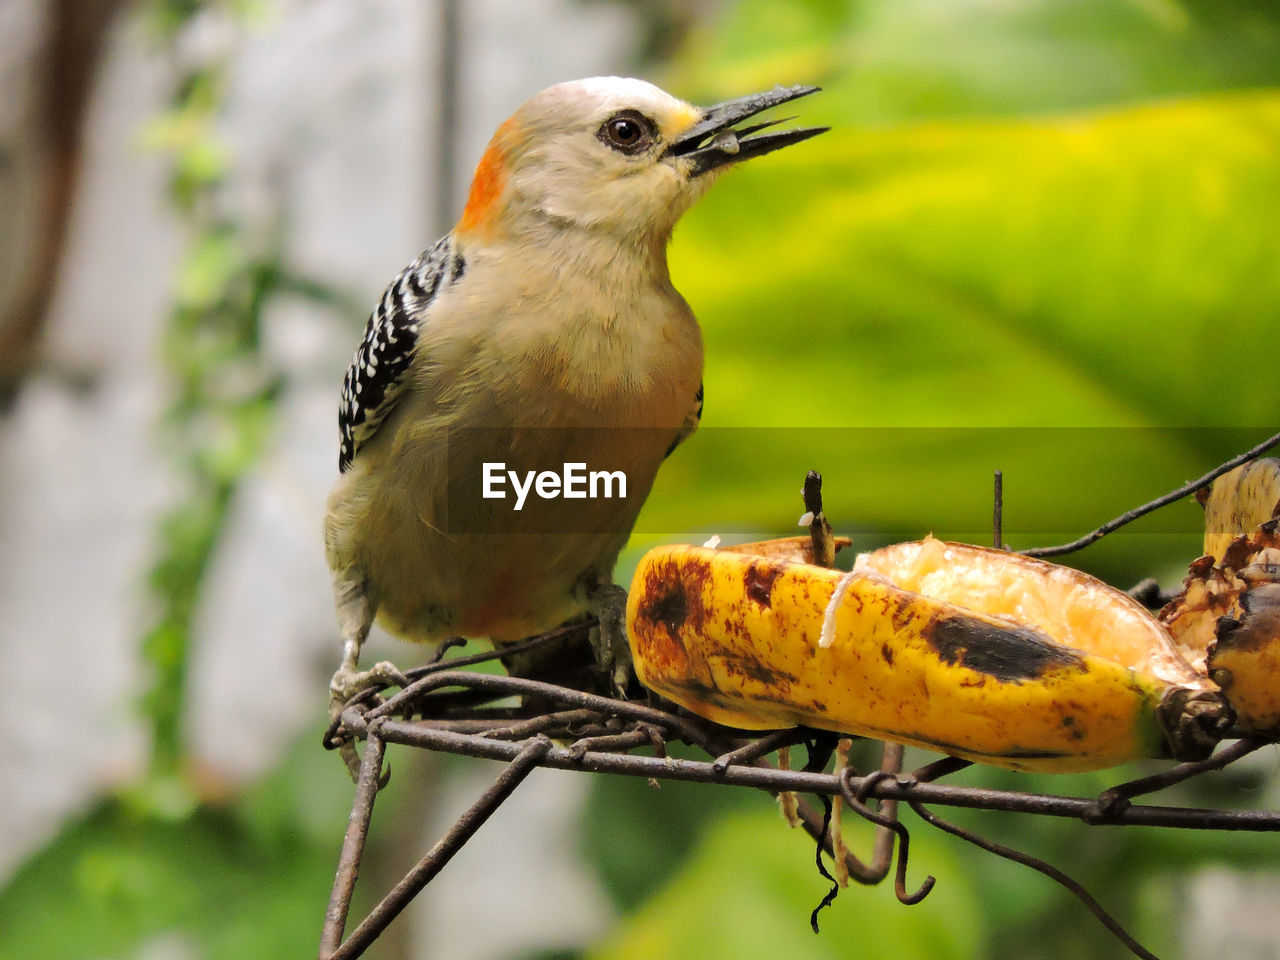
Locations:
{"points": [[747, 892], [242, 877], [220, 418], [1077, 288], [889, 61], [1040, 237], [164, 864]]}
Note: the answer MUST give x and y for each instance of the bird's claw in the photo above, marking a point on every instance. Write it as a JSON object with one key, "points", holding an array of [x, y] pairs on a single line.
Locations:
{"points": [[347, 682], [609, 637]]}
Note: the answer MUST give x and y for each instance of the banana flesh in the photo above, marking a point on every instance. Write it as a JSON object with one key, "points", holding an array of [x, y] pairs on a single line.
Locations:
{"points": [[1226, 621]]}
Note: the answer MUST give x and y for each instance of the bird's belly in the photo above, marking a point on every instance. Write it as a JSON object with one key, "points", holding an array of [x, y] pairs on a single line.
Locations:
{"points": [[452, 561]]}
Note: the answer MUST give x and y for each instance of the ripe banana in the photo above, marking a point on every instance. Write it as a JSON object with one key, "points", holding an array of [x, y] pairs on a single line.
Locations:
{"points": [[1238, 502], [1227, 618], [1244, 660], [978, 653]]}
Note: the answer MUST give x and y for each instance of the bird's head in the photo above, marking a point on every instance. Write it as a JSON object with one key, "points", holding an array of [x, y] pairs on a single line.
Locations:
{"points": [[613, 155]]}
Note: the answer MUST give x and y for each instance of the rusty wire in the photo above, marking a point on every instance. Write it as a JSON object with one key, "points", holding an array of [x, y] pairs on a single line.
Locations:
{"points": [[615, 728], [1150, 506], [434, 734], [1047, 869], [601, 732]]}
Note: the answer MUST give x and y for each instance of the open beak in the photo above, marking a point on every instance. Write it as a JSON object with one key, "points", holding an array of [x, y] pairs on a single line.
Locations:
{"points": [[712, 142]]}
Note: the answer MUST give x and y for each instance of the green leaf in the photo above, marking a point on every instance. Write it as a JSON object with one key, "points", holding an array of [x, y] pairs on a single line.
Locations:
{"points": [[882, 61], [943, 299]]}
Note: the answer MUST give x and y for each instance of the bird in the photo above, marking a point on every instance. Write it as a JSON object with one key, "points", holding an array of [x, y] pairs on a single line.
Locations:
{"points": [[543, 329]]}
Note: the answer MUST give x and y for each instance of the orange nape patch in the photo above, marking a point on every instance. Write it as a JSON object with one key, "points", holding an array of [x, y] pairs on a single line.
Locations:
{"points": [[489, 181]]}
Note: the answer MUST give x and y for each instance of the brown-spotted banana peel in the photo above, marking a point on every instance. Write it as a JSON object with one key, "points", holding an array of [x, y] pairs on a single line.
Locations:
{"points": [[978, 653]]}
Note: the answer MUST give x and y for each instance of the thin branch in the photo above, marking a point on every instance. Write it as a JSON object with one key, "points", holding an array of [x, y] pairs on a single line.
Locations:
{"points": [[1186, 489], [1035, 863], [811, 820], [939, 769]]}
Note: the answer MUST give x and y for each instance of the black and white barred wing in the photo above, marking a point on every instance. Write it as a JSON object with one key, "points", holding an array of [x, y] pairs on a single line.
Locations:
{"points": [[381, 365]]}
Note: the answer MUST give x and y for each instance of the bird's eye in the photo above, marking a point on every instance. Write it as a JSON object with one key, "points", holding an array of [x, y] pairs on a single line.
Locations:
{"points": [[628, 132]]}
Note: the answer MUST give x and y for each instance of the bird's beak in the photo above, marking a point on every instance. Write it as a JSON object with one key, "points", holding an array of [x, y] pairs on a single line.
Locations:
{"points": [[712, 142]]}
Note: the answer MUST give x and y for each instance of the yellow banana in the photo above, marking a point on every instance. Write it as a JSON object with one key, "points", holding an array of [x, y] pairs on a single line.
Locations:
{"points": [[978, 653], [1245, 660], [1226, 621], [1238, 502], [794, 549]]}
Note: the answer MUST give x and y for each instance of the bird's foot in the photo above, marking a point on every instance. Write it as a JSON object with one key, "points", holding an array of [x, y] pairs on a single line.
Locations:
{"points": [[347, 682], [609, 637]]}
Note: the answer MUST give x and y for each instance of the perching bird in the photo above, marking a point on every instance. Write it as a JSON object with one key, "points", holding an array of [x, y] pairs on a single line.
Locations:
{"points": [[542, 331]]}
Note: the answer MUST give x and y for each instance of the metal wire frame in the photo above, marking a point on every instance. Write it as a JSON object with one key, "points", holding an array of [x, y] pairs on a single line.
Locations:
{"points": [[601, 731], [597, 734], [1093, 536]]}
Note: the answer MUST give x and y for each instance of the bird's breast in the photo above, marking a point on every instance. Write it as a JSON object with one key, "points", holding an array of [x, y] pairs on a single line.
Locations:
{"points": [[571, 348]]}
